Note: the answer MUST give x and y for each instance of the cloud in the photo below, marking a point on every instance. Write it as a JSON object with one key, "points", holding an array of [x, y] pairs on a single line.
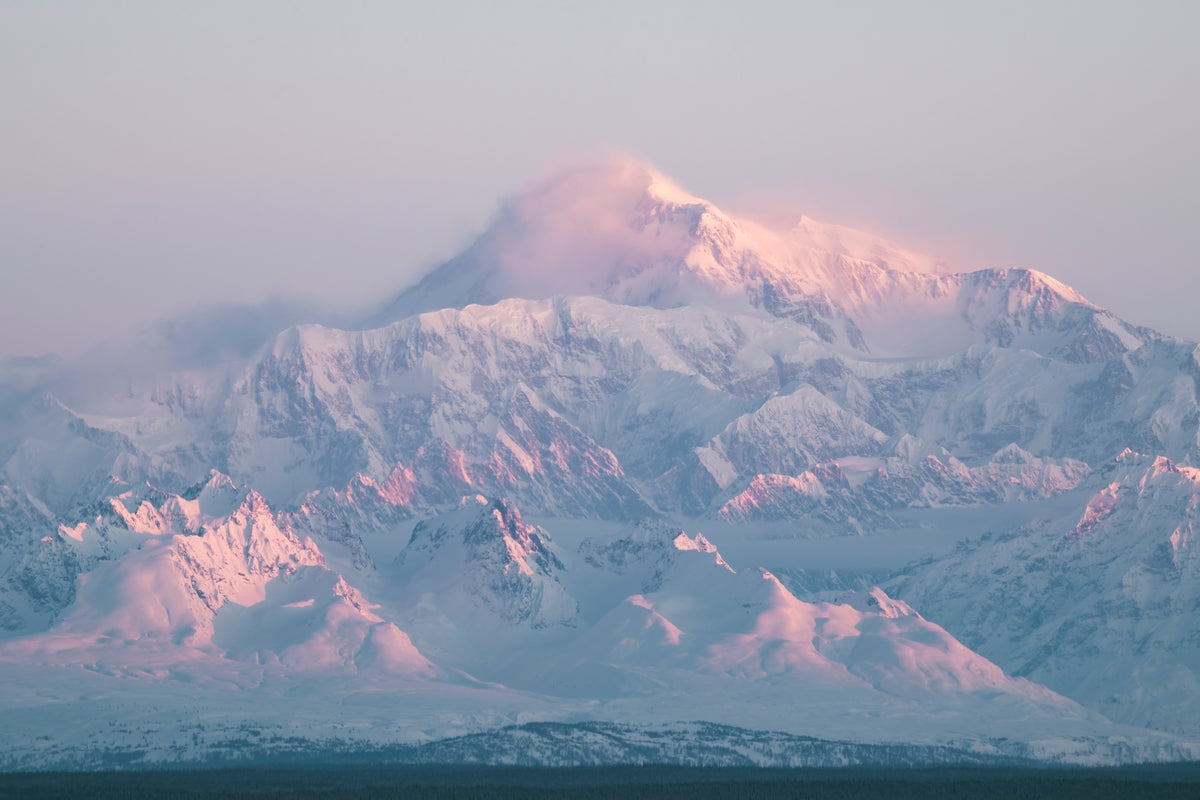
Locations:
{"points": [[579, 231], [202, 338]]}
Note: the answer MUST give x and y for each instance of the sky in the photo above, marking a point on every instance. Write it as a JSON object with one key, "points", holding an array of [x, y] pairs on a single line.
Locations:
{"points": [[158, 157]]}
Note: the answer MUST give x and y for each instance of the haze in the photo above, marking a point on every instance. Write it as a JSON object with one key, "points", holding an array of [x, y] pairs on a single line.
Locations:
{"points": [[161, 157]]}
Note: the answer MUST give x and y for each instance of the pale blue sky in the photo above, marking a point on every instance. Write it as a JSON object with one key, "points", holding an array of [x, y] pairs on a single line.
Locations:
{"points": [[159, 155]]}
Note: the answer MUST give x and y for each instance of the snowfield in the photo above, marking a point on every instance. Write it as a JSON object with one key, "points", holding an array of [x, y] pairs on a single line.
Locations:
{"points": [[628, 479]]}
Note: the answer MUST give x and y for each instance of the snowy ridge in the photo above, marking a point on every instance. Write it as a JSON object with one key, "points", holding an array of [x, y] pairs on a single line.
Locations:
{"points": [[490, 561], [175, 581], [628, 364], [582, 407], [882, 485], [1099, 602], [622, 232], [243, 598]]}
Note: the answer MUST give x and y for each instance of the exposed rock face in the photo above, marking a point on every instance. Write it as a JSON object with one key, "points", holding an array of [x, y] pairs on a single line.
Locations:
{"points": [[502, 565]]}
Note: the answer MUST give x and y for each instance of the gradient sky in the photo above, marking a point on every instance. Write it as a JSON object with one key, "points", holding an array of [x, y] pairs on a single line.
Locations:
{"points": [[157, 156]]}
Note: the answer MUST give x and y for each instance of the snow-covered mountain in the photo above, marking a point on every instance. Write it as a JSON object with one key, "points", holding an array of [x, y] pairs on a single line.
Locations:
{"points": [[1100, 602], [207, 590], [623, 232], [628, 365], [580, 407], [912, 478]]}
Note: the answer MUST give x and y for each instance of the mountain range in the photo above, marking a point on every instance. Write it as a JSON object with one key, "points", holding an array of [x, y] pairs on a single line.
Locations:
{"points": [[627, 469]]}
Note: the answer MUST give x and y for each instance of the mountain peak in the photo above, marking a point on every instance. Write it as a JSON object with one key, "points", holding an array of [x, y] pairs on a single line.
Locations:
{"points": [[617, 180], [616, 229], [620, 231]]}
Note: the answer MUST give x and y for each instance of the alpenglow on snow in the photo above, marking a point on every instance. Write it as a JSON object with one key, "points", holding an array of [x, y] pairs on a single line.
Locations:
{"points": [[635, 478]]}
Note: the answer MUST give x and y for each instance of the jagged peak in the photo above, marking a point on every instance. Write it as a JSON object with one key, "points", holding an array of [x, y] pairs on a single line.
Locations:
{"points": [[1162, 464], [1143, 466], [1012, 453], [395, 490], [218, 479], [500, 521], [255, 503], [700, 544], [1165, 466], [215, 481], [492, 525], [1128, 455]]}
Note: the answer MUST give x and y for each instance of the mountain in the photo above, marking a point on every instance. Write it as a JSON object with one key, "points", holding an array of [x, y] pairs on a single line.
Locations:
{"points": [[165, 576], [481, 510], [207, 591], [912, 478], [577, 406], [1100, 603], [576, 390], [478, 582], [622, 232]]}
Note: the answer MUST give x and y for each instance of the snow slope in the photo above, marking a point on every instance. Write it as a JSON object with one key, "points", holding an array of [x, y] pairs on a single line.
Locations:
{"points": [[210, 593], [622, 357], [1100, 604]]}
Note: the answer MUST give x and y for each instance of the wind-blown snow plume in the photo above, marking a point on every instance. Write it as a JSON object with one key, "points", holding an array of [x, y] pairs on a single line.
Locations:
{"points": [[629, 365]]}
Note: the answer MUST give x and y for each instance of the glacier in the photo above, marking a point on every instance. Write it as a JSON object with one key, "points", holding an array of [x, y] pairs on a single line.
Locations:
{"points": [[628, 464]]}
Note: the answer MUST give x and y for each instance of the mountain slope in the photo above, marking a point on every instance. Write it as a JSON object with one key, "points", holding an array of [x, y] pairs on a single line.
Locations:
{"points": [[625, 361], [614, 345], [623, 232], [163, 580], [581, 407], [1100, 604]]}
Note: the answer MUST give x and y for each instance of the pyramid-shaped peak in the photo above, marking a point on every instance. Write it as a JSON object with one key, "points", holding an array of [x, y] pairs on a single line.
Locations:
{"points": [[616, 229], [490, 529], [498, 518], [499, 524], [596, 221], [620, 231]]}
